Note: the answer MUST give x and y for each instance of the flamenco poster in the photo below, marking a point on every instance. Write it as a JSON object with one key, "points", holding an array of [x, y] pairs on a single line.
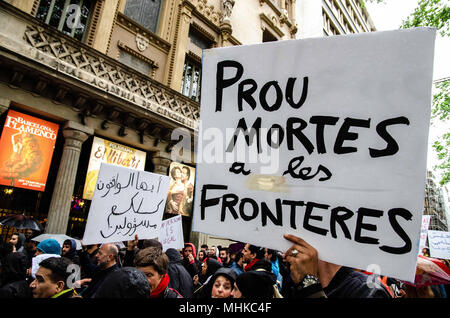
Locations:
{"points": [[26, 150], [181, 189]]}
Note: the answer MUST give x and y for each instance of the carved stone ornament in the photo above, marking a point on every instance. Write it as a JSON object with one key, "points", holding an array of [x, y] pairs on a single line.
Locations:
{"points": [[142, 42]]}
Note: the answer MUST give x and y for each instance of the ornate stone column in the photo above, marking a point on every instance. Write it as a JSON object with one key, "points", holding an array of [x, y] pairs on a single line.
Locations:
{"points": [[58, 215]]}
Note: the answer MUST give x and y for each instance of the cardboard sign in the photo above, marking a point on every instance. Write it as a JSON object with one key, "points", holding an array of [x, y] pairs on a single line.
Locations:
{"points": [[322, 138], [424, 232], [112, 153], [126, 202], [26, 150], [439, 244], [171, 233]]}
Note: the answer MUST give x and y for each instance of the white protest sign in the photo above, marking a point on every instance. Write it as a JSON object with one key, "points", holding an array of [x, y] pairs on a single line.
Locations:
{"points": [[126, 202], [171, 233], [424, 232], [439, 244], [335, 150]]}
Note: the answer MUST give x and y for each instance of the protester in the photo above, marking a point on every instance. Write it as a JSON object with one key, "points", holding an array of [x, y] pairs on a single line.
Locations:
{"points": [[204, 247], [45, 249], [255, 285], [69, 250], [51, 279], [238, 263], [155, 263], [13, 281], [212, 252], [220, 285], [30, 250], [252, 255], [106, 264], [314, 277], [87, 260], [272, 256], [190, 262], [17, 240], [201, 256], [180, 279], [224, 256], [125, 282], [29, 234], [210, 266]]}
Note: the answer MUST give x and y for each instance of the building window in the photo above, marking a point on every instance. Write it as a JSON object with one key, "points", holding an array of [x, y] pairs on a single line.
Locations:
{"points": [[135, 63], [190, 83], [268, 37], [68, 16], [144, 12]]}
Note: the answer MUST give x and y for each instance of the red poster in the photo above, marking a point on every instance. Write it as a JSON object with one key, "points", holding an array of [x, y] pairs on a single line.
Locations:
{"points": [[26, 150]]}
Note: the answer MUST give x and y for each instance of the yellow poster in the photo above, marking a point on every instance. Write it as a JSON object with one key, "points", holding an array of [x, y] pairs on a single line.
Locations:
{"points": [[112, 153]]}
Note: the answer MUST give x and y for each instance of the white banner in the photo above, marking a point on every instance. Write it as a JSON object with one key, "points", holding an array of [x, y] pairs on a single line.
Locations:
{"points": [[335, 145], [439, 244], [171, 233], [126, 202]]}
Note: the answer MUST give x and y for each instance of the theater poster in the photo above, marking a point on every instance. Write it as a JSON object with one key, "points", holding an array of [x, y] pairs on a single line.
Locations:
{"points": [[26, 150], [112, 153], [181, 189]]}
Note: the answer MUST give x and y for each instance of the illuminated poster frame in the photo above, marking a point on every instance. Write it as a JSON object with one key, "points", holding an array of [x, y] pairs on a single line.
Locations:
{"points": [[26, 150]]}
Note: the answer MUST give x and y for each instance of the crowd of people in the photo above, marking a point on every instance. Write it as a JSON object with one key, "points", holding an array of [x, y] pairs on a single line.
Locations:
{"points": [[141, 269]]}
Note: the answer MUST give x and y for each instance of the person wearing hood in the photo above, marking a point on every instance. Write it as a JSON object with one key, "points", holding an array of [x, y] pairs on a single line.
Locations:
{"points": [[14, 277], [126, 282], [45, 249], [17, 240], [69, 250], [255, 284], [190, 261], [220, 284], [209, 266], [180, 279], [154, 263]]}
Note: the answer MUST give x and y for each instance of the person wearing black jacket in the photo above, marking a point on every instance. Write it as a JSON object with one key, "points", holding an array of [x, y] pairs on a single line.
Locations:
{"points": [[106, 264], [180, 279], [13, 277]]}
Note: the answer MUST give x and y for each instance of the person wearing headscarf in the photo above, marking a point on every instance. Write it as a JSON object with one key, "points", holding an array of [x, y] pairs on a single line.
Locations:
{"points": [[45, 249], [69, 250], [13, 277], [125, 282], [210, 266], [220, 285]]}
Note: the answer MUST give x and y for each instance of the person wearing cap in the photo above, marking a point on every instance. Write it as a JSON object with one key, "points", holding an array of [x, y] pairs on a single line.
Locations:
{"points": [[45, 249]]}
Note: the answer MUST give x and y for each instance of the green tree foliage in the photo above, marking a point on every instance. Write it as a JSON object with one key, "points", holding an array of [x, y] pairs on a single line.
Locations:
{"points": [[441, 112]]}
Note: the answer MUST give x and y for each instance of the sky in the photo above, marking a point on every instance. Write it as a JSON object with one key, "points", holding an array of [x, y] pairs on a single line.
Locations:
{"points": [[389, 16]]}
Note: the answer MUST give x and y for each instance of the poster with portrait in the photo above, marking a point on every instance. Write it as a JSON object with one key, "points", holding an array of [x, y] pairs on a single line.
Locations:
{"points": [[181, 189], [26, 150]]}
